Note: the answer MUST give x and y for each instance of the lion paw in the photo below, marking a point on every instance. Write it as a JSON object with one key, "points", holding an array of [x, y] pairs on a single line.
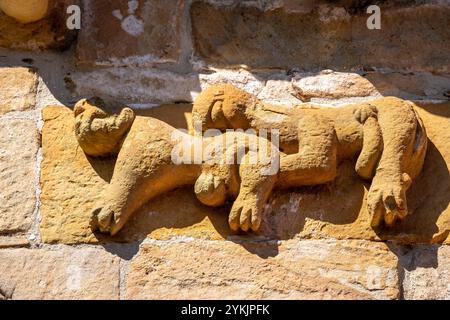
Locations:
{"points": [[245, 214], [105, 220], [365, 112], [386, 202]]}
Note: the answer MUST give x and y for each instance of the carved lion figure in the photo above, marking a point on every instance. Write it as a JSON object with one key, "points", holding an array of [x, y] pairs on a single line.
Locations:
{"points": [[386, 137]]}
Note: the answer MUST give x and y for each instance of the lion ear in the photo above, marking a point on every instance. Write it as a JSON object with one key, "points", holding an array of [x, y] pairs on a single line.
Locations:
{"points": [[79, 107]]}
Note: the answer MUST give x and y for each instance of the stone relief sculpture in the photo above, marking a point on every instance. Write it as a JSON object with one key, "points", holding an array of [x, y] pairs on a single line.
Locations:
{"points": [[386, 137]]}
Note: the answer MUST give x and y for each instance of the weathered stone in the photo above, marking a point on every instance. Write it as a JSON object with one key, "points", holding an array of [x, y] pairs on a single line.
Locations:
{"points": [[13, 241], [48, 33], [332, 85], [18, 149], [426, 273], [60, 273], [159, 87], [139, 86], [17, 89], [340, 87], [69, 183], [327, 37], [192, 269], [417, 85], [130, 32], [242, 79], [279, 90], [268, 86]]}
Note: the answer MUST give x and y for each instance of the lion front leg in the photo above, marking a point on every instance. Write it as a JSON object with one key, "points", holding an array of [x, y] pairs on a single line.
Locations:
{"points": [[129, 191], [404, 140], [255, 189]]}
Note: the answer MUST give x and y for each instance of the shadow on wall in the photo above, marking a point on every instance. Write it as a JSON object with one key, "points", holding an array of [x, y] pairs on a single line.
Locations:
{"points": [[321, 37]]}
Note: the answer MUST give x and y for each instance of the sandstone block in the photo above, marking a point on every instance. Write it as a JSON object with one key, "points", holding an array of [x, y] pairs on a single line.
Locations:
{"points": [[18, 149], [18, 88], [327, 36], [130, 32], [13, 241], [427, 273], [62, 273], [139, 86], [332, 85], [324, 269]]}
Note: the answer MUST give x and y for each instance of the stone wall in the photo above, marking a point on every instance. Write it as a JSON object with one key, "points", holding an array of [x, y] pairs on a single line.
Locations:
{"points": [[156, 56]]}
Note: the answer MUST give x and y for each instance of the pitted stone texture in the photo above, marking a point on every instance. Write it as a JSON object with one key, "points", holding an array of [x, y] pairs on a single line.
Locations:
{"points": [[13, 241], [332, 85], [18, 149], [327, 37], [60, 273], [242, 79], [18, 88], [69, 184], [409, 85], [427, 273], [138, 86], [279, 90], [130, 32], [192, 269], [271, 87], [48, 33]]}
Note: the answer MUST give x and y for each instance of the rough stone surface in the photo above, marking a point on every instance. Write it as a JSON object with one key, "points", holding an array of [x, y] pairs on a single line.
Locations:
{"points": [[13, 241], [18, 88], [69, 183], [337, 88], [427, 273], [189, 269], [333, 85], [327, 37], [242, 79], [64, 273], [130, 32], [48, 33], [413, 85], [279, 90], [276, 87], [139, 86], [18, 149]]}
